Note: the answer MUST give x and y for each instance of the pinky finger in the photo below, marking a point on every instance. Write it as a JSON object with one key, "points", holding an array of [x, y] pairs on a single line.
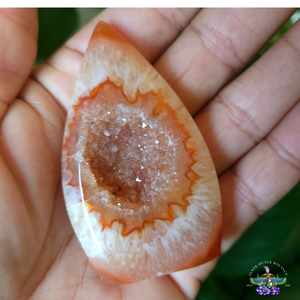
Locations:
{"points": [[261, 178]]}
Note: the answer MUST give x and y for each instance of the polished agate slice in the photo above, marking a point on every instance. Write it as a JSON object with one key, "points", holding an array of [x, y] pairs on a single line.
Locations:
{"points": [[139, 183]]}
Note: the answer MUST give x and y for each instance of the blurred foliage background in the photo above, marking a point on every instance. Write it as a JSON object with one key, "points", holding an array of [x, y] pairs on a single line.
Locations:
{"points": [[275, 236]]}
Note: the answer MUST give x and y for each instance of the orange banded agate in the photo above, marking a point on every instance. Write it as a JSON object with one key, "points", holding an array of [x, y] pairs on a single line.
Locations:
{"points": [[139, 184]]}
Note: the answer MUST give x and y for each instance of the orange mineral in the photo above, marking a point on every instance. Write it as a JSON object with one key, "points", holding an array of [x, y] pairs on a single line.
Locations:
{"points": [[139, 183]]}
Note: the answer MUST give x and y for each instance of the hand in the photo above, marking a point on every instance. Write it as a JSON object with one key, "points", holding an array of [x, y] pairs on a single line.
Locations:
{"points": [[251, 126]]}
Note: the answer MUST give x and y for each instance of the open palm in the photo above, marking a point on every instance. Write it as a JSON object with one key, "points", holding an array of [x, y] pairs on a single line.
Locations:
{"points": [[251, 126]]}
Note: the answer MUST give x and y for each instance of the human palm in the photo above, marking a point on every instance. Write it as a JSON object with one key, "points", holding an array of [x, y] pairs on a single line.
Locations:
{"points": [[251, 127]]}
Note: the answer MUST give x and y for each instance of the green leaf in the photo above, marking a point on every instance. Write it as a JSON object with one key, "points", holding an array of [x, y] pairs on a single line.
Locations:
{"points": [[290, 250], [56, 25], [214, 289]]}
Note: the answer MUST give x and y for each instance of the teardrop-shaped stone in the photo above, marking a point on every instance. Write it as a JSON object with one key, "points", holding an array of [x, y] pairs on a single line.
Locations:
{"points": [[139, 183]]}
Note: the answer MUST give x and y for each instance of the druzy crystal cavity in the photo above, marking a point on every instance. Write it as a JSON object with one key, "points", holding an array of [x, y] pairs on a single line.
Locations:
{"points": [[139, 184]]}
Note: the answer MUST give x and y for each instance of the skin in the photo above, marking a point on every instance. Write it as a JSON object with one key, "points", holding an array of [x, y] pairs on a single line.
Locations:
{"points": [[250, 124]]}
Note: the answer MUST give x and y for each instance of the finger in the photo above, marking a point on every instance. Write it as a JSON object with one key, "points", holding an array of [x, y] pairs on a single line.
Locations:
{"points": [[215, 46], [18, 46], [28, 181], [189, 280], [248, 108], [151, 31], [261, 178], [155, 288], [269, 111]]}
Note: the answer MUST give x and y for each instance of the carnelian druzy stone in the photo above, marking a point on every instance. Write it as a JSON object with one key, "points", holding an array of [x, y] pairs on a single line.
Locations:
{"points": [[139, 184]]}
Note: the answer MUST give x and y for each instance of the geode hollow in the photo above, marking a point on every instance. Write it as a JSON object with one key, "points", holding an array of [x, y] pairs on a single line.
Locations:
{"points": [[139, 183]]}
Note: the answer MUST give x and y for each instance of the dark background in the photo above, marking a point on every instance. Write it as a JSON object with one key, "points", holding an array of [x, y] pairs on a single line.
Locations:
{"points": [[275, 236]]}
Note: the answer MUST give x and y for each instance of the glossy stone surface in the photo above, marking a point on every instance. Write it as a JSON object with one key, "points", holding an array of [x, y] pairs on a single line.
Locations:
{"points": [[139, 184]]}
